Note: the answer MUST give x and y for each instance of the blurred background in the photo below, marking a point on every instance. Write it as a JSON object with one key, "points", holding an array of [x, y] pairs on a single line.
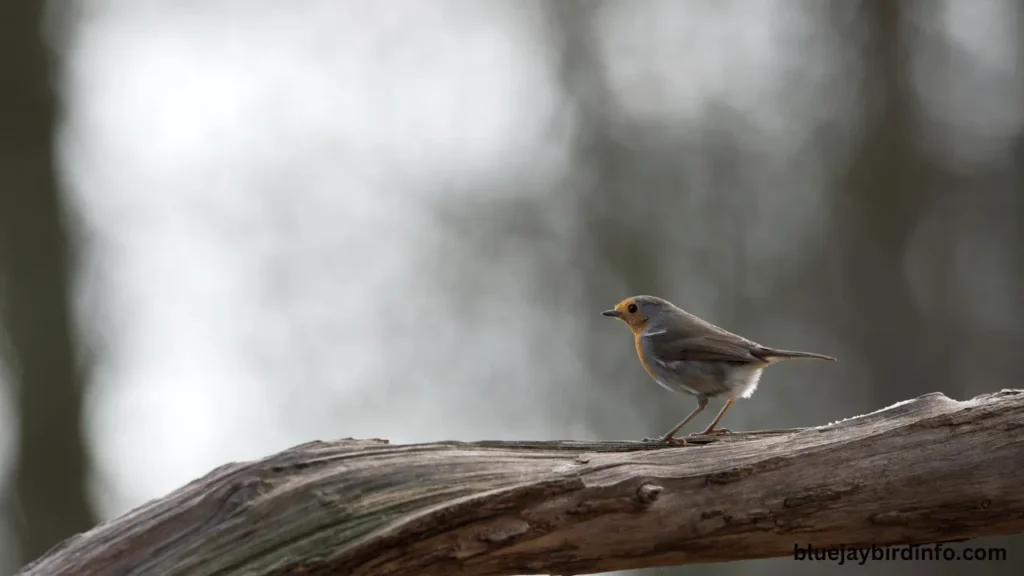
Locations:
{"points": [[229, 227]]}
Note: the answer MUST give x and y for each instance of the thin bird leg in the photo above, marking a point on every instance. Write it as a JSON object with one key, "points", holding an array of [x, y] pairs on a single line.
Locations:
{"points": [[711, 427], [702, 402]]}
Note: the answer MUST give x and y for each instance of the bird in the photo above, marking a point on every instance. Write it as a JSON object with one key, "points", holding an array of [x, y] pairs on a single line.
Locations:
{"points": [[686, 354]]}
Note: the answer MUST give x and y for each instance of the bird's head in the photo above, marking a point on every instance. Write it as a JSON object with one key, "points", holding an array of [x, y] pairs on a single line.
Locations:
{"points": [[637, 311]]}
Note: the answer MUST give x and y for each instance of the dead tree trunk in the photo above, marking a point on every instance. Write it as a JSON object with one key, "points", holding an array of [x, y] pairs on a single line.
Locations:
{"points": [[927, 470]]}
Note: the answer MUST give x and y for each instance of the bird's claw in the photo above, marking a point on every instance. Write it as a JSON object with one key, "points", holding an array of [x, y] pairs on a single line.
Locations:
{"points": [[715, 432], [665, 440]]}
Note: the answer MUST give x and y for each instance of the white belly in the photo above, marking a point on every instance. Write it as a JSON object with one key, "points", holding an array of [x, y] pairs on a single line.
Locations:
{"points": [[713, 379], [745, 382]]}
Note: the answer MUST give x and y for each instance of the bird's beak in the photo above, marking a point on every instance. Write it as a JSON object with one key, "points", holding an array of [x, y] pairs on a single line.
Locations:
{"points": [[611, 313]]}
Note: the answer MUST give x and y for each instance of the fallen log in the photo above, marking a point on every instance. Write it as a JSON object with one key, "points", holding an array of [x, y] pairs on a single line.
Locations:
{"points": [[926, 470]]}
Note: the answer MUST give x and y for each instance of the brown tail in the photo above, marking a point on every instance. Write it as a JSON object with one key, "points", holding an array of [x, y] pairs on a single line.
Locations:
{"points": [[772, 353]]}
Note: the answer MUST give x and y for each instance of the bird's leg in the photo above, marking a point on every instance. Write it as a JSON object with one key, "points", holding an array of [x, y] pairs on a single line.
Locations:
{"points": [[710, 430], [702, 402]]}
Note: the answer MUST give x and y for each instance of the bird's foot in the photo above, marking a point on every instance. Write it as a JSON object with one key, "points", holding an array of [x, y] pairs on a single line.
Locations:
{"points": [[715, 432], [665, 440]]}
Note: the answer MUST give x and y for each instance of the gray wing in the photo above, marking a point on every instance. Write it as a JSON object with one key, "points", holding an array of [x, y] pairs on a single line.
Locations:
{"points": [[711, 346]]}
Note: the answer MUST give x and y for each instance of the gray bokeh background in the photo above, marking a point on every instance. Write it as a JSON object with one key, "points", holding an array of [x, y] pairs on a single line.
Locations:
{"points": [[229, 227]]}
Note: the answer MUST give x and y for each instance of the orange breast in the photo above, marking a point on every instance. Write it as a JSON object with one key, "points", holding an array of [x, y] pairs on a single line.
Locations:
{"points": [[638, 341]]}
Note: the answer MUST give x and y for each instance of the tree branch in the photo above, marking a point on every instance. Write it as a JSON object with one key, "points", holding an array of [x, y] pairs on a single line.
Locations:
{"points": [[927, 470]]}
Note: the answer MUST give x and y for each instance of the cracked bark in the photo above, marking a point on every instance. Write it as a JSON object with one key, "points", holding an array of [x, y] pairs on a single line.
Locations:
{"points": [[928, 470]]}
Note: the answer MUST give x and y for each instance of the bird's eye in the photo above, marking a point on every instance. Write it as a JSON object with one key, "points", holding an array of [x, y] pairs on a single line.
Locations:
{"points": [[632, 308]]}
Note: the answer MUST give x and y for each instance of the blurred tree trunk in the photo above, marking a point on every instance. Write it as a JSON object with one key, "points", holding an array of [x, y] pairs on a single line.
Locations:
{"points": [[1018, 182], [48, 496], [627, 180], [888, 186], [609, 246]]}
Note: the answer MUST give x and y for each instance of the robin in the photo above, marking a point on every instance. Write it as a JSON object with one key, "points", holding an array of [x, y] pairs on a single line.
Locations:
{"points": [[683, 353]]}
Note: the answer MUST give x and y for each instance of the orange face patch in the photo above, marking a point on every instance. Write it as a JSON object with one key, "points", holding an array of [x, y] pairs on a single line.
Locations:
{"points": [[630, 313]]}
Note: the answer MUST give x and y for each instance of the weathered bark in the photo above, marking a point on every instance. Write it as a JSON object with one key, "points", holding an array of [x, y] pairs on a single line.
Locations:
{"points": [[928, 470]]}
